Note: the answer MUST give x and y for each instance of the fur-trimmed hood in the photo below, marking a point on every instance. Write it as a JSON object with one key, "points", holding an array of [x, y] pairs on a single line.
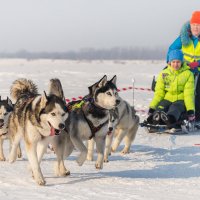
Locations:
{"points": [[186, 34]]}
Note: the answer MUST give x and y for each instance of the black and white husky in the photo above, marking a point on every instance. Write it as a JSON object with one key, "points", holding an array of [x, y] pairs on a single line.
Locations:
{"points": [[89, 122], [6, 108], [36, 118]]}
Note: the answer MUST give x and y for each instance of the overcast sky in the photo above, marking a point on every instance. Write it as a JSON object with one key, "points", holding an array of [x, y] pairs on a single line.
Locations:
{"points": [[62, 25]]}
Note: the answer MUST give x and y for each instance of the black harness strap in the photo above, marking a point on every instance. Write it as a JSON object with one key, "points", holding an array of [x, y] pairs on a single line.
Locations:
{"points": [[93, 128]]}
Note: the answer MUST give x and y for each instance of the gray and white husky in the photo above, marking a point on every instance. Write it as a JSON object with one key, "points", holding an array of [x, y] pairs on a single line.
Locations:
{"points": [[125, 125], [36, 118], [91, 122], [88, 122], [6, 108]]}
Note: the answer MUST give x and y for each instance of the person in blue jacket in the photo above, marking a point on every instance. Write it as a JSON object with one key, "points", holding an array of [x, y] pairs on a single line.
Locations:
{"points": [[189, 42]]}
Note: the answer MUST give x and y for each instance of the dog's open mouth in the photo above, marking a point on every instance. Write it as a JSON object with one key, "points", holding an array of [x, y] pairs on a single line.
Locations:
{"points": [[1, 125], [3, 134], [53, 131]]}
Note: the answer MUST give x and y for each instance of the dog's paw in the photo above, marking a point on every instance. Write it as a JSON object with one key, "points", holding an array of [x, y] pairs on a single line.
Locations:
{"points": [[113, 149], [41, 181], [80, 162], [19, 154], [63, 174], [2, 158], [67, 173], [125, 151], [81, 159], [11, 160], [106, 160], [99, 166]]}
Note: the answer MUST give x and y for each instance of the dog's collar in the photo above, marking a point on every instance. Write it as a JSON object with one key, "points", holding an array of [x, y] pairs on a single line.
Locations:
{"points": [[78, 104]]}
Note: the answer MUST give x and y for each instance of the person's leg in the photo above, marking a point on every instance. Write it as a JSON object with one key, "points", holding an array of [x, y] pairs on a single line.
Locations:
{"points": [[197, 100], [163, 105], [175, 111]]}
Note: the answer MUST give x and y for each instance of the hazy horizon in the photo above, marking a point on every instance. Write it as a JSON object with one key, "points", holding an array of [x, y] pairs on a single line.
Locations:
{"points": [[64, 25]]}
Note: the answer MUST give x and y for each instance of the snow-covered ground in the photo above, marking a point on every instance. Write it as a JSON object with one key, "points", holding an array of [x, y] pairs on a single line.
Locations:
{"points": [[158, 167]]}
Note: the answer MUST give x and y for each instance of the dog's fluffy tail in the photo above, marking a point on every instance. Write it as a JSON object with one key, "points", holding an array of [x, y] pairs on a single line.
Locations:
{"points": [[22, 87]]}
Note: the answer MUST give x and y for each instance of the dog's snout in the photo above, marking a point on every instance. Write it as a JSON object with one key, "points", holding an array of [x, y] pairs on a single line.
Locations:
{"points": [[61, 126], [110, 129], [117, 102]]}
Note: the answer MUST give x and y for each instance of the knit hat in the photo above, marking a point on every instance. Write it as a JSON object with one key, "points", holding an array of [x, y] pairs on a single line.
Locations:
{"points": [[195, 19], [175, 55]]}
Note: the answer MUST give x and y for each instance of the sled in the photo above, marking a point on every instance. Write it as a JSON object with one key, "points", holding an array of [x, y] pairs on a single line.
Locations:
{"points": [[184, 128]]}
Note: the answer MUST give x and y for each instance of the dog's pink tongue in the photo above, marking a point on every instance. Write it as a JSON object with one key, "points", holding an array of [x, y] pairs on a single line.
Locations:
{"points": [[52, 131]]}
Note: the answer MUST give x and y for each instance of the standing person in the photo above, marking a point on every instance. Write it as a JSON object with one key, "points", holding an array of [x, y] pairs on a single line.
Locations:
{"points": [[174, 92], [188, 42]]}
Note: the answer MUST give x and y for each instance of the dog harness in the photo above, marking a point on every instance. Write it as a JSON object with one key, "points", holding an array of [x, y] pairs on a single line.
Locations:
{"points": [[93, 128], [81, 105]]}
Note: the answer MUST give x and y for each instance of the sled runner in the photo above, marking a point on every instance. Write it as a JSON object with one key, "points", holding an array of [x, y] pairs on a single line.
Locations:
{"points": [[182, 129], [158, 123]]}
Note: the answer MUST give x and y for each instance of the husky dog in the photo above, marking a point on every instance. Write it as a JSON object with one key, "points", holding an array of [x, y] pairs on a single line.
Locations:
{"points": [[6, 107], [90, 122], [105, 97], [125, 123], [35, 118]]}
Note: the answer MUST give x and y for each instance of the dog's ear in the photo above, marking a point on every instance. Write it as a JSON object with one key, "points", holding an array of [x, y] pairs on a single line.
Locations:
{"points": [[114, 80], [92, 88], [102, 82], [9, 102], [55, 88]]}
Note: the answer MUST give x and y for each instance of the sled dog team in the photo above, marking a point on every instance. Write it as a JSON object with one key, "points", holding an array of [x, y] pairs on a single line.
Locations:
{"points": [[43, 119]]}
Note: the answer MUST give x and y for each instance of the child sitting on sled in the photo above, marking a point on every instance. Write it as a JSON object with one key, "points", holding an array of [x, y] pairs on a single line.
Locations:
{"points": [[174, 92]]}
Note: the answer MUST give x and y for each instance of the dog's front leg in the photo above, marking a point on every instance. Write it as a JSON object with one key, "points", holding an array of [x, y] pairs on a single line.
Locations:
{"points": [[2, 158], [15, 145], [63, 147], [41, 149], [120, 135], [31, 149], [100, 144], [77, 142], [109, 139], [129, 138], [90, 146]]}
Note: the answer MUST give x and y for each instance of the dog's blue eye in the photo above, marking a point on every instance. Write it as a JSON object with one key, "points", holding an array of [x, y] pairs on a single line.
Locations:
{"points": [[53, 114]]}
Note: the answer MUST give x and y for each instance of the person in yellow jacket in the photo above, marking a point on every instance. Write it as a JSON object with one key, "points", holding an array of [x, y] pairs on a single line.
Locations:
{"points": [[174, 92], [189, 42]]}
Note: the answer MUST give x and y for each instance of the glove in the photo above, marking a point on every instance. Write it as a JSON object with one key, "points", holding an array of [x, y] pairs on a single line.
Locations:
{"points": [[191, 116], [193, 65], [151, 111]]}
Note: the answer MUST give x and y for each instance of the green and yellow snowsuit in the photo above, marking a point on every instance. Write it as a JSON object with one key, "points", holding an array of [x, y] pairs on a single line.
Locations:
{"points": [[174, 85]]}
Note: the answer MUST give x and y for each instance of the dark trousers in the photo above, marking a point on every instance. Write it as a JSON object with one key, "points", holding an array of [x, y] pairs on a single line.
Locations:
{"points": [[174, 109]]}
